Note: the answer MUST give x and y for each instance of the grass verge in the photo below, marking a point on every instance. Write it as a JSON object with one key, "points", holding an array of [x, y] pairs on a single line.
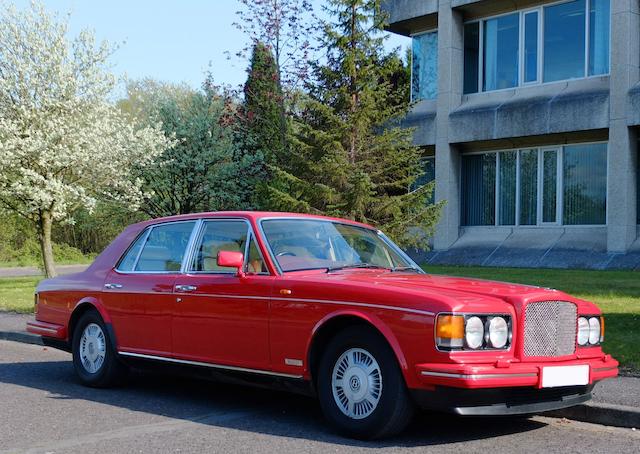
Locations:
{"points": [[16, 293]]}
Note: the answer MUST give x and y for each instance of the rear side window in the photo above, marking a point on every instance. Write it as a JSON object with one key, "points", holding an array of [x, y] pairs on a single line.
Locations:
{"points": [[129, 260], [160, 250]]}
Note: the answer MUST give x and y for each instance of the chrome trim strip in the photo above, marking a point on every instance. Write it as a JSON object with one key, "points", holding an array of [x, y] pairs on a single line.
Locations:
{"points": [[190, 250], [314, 301], [42, 328], [212, 365], [476, 376], [293, 362]]}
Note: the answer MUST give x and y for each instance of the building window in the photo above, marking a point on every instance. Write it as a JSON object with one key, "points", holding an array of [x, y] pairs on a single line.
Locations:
{"points": [[428, 175], [479, 186], [562, 41], [539, 186], [424, 66]]}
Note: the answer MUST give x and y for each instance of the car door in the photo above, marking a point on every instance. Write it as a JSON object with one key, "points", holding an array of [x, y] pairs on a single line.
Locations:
{"points": [[220, 317], [138, 292]]}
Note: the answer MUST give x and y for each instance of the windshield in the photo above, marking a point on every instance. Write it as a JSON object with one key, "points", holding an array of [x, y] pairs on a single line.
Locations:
{"points": [[306, 244]]}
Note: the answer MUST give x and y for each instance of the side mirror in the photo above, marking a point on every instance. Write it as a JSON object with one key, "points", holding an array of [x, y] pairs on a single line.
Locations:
{"points": [[231, 259]]}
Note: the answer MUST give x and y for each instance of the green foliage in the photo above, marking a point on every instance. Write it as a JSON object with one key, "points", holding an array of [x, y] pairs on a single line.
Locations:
{"points": [[206, 170], [19, 246], [348, 155], [264, 113]]}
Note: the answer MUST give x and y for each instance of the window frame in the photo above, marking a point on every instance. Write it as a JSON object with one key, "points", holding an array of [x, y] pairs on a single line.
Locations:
{"points": [[146, 234], [414, 35], [560, 149], [540, 51]]}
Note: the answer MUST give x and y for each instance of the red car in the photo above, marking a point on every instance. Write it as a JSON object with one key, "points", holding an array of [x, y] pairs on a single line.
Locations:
{"points": [[324, 306]]}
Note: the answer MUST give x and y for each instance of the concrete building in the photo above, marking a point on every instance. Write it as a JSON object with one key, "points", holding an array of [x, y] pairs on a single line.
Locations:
{"points": [[529, 111]]}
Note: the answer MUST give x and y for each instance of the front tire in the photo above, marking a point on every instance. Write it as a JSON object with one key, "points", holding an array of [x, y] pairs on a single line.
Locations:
{"points": [[361, 388], [94, 358]]}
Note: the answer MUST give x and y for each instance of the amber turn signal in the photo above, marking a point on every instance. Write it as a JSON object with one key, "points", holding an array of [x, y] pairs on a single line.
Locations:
{"points": [[450, 331]]}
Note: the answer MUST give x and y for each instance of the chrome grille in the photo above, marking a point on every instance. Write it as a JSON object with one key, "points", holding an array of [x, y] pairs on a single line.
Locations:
{"points": [[550, 329]]}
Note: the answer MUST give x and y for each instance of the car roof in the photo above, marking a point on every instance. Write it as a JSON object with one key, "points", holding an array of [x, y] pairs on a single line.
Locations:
{"points": [[252, 215]]}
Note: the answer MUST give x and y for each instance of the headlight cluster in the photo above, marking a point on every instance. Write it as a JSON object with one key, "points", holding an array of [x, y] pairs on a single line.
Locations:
{"points": [[590, 330], [473, 332]]}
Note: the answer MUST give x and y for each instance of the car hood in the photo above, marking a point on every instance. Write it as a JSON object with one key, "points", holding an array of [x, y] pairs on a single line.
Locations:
{"points": [[438, 287]]}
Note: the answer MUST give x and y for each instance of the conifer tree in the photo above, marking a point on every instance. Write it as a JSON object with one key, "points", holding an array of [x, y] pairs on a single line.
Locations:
{"points": [[348, 155]]}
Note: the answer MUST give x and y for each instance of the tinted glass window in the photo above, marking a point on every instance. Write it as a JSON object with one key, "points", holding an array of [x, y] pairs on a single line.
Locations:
{"points": [[564, 41], [223, 235], [585, 184], [165, 247], [507, 189], [471, 57], [501, 37], [531, 47], [424, 71], [479, 189], [599, 20], [528, 187]]}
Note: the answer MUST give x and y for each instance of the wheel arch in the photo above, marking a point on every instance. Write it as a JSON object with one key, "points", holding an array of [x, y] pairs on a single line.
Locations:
{"points": [[331, 324], [82, 307]]}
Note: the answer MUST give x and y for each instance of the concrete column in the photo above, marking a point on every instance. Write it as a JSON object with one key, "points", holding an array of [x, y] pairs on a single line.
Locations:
{"points": [[621, 166], [450, 81]]}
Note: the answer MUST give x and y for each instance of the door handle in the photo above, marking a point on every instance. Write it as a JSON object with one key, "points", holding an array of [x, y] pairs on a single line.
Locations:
{"points": [[112, 286], [185, 288]]}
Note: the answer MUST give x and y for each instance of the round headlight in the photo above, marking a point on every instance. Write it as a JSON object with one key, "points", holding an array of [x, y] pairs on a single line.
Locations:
{"points": [[498, 332], [594, 330], [583, 331], [474, 332]]}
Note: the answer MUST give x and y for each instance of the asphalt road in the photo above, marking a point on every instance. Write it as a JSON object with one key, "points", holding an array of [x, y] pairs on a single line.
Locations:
{"points": [[43, 409], [23, 271]]}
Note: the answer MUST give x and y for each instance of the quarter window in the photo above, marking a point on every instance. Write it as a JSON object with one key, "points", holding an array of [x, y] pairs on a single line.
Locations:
{"points": [[164, 247]]}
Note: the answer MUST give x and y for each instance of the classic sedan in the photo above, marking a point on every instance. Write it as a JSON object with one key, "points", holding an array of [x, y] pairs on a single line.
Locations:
{"points": [[323, 306]]}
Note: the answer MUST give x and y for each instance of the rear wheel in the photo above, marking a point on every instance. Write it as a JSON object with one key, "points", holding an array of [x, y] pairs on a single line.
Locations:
{"points": [[94, 358], [361, 389]]}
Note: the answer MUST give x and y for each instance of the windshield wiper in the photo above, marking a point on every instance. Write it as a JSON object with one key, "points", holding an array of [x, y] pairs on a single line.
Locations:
{"points": [[404, 268], [355, 265]]}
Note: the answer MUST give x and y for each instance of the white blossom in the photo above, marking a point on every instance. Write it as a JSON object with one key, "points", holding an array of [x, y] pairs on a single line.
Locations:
{"points": [[63, 145]]}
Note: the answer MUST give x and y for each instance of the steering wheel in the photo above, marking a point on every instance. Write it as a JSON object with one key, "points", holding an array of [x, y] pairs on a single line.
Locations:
{"points": [[285, 254]]}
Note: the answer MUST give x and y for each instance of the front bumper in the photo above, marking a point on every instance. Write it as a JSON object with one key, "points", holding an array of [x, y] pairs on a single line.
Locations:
{"points": [[507, 374], [500, 401]]}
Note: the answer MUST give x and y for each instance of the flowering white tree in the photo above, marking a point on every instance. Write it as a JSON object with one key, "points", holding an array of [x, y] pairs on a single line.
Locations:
{"points": [[63, 145]]}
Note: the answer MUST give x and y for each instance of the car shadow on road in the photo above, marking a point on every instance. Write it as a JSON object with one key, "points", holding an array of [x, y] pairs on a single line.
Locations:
{"points": [[244, 408]]}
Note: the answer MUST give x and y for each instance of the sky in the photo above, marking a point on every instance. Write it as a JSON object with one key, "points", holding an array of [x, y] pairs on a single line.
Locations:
{"points": [[173, 41]]}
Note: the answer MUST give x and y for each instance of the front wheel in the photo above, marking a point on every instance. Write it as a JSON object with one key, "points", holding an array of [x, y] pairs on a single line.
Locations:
{"points": [[94, 358], [361, 389]]}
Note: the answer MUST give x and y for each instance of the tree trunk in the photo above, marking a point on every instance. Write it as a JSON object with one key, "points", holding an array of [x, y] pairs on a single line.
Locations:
{"points": [[45, 222]]}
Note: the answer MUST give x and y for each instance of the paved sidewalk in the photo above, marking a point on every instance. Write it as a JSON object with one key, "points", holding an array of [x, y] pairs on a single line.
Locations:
{"points": [[616, 402], [35, 271]]}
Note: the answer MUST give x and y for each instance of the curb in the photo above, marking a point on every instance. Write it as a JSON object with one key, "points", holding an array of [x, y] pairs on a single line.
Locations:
{"points": [[25, 338], [591, 412], [601, 413]]}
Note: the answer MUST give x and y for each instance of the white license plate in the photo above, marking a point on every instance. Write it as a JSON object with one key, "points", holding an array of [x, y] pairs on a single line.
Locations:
{"points": [[554, 376]]}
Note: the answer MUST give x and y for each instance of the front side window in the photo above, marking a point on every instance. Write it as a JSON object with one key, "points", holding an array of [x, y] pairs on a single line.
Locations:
{"points": [[164, 247], [305, 244], [563, 185], [216, 236], [561, 41], [424, 66]]}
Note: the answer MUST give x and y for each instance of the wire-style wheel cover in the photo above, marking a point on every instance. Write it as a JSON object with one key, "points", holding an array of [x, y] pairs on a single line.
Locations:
{"points": [[93, 348], [356, 383]]}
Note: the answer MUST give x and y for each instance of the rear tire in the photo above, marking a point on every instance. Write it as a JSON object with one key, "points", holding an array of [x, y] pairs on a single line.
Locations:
{"points": [[94, 359], [361, 388]]}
